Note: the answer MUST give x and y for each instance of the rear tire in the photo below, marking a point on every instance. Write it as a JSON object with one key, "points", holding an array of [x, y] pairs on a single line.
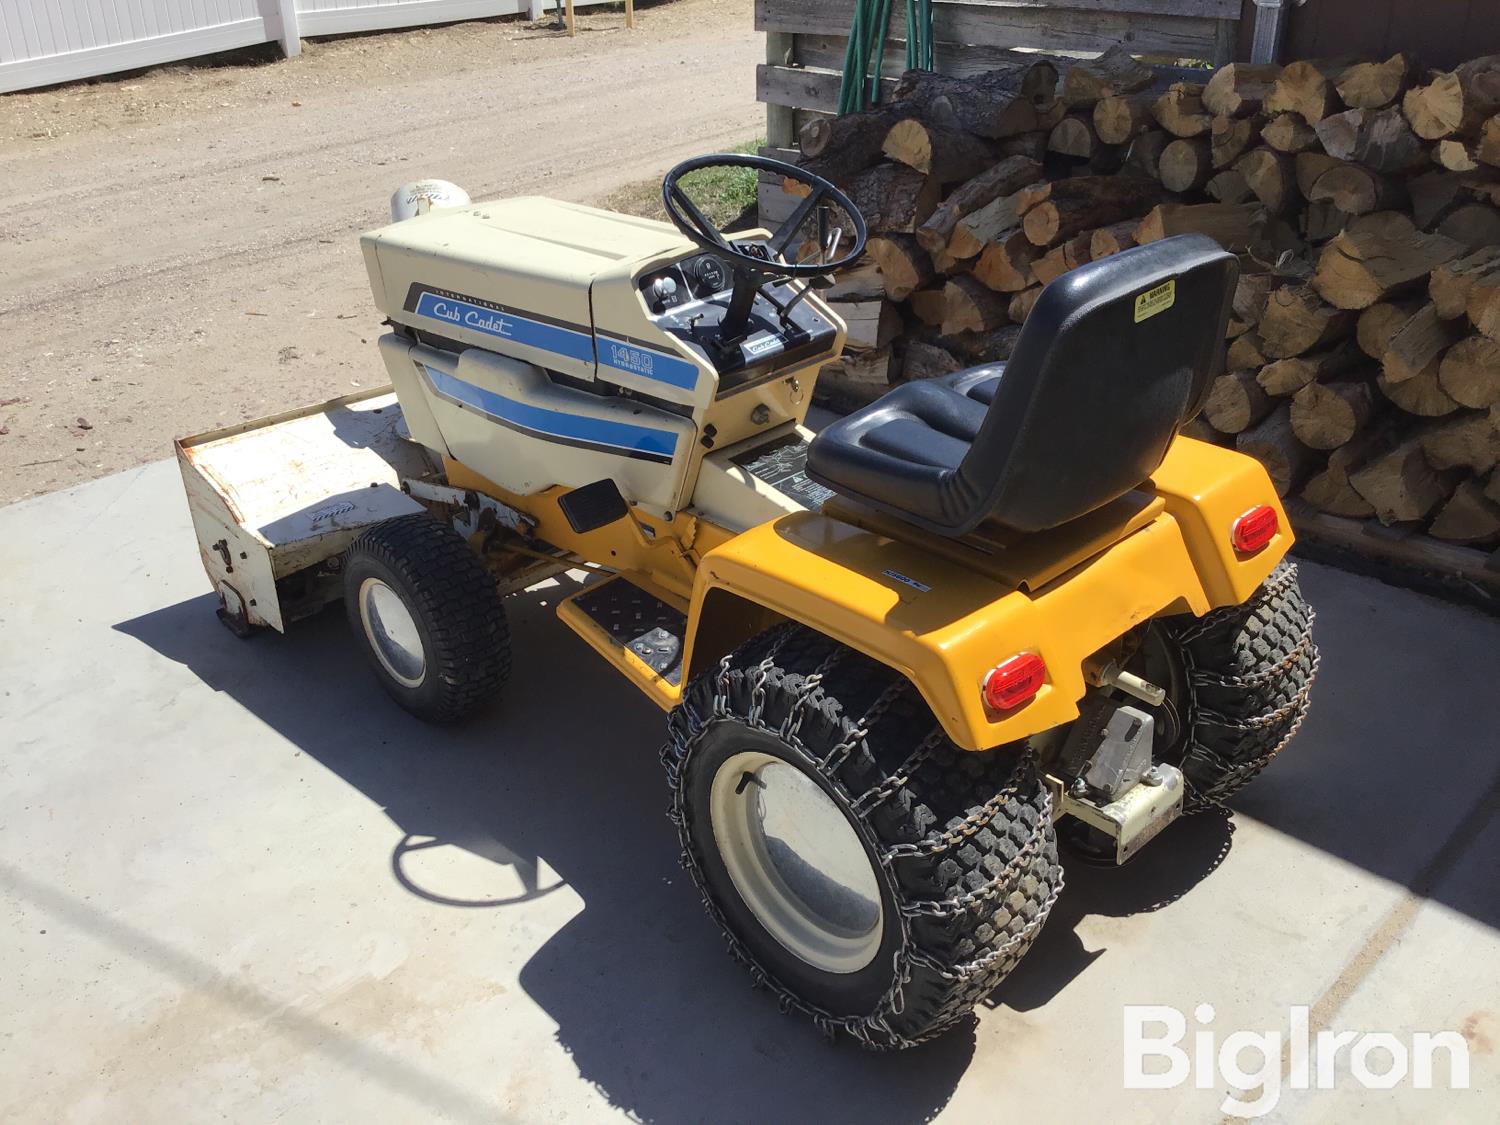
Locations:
{"points": [[428, 617], [1246, 671], [924, 871]]}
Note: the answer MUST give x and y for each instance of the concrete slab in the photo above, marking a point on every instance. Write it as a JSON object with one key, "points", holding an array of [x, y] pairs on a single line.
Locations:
{"points": [[240, 883]]}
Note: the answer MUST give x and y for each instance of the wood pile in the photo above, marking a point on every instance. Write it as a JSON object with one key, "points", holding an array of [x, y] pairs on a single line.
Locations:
{"points": [[1363, 198]]}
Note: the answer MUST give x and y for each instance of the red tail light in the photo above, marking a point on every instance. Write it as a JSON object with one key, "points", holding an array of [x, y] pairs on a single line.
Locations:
{"points": [[1253, 530], [1014, 682]]}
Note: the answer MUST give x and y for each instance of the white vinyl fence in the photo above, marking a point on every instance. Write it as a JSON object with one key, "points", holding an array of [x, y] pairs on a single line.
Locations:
{"points": [[48, 41], [333, 17]]}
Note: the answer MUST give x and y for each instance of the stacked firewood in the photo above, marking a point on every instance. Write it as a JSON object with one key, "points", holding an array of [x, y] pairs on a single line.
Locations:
{"points": [[1363, 199]]}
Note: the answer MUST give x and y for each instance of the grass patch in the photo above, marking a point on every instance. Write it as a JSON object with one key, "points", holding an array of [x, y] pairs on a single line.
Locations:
{"points": [[724, 194]]}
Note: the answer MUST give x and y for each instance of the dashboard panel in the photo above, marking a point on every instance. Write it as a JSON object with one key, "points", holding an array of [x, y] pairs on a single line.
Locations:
{"points": [[689, 300], [692, 279]]}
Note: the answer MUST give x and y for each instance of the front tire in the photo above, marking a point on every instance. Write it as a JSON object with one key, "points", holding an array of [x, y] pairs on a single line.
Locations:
{"points": [[428, 617], [871, 874]]}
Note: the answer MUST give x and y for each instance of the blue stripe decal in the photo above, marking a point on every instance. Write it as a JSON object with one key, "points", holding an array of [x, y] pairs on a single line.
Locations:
{"points": [[648, 364], [554, 423], [507, 326]]}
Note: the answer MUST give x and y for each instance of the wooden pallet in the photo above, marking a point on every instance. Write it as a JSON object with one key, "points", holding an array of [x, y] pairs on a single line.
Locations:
{"points": [[805, 41], [1401, 555]]}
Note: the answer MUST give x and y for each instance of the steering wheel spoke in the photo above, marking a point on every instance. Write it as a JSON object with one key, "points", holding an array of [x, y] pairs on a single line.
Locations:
{"points": [[788, 229], [699, 220]]}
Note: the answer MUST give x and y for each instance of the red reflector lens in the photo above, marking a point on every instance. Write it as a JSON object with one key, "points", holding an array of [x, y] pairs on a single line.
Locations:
{"points": [[1254, 529], [1015, 682]]}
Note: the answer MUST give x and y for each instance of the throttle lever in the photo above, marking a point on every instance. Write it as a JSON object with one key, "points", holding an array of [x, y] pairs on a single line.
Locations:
{"points": [[832, 243]]}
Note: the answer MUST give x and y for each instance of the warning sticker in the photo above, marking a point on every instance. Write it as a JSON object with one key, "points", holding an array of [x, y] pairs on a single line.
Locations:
{"points": [[1153, 301], [783, 465]]}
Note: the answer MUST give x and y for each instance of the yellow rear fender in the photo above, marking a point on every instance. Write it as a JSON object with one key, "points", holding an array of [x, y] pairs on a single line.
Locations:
{"points": [[944, 626], [1207, 488]]}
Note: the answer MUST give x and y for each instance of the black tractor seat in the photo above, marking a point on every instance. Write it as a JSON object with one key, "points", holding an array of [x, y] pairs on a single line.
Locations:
{"points": [[1113, 359], [978, 383]]}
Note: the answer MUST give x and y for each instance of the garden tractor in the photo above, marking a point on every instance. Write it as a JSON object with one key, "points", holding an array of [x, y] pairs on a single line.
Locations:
{"points": [[901, 658]]}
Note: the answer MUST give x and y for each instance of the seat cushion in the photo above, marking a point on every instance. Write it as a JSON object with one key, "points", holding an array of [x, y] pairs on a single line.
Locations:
{"points": [[905, 447], [979, 383]]}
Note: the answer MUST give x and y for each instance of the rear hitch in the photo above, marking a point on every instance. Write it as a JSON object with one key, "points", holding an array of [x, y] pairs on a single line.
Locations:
{"points": [[1107, 781]]}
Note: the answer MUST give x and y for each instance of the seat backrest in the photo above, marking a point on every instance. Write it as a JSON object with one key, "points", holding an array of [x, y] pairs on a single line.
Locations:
{"points": [[1113, 359]]}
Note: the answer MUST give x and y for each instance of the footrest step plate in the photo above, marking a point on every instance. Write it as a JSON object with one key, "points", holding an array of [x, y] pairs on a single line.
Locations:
{"points": [[635, 620]]}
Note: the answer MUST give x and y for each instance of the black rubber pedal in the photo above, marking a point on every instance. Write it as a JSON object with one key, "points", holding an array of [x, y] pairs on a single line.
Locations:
{"points": [[593, 506], [639, 621]]}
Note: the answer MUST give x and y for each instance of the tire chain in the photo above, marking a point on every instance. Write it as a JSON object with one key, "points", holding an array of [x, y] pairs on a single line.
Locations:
{"points": [[872, 1030], [1264, 675], [958, 904], [1272, 587], [1234, 775]]}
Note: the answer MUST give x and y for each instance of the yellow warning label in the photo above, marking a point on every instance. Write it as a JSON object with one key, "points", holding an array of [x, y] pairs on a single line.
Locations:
{"points": [[1153, 301]]}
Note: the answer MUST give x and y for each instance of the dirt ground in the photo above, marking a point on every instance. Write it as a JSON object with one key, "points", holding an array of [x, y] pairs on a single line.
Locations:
{"points": [[179, 249]]}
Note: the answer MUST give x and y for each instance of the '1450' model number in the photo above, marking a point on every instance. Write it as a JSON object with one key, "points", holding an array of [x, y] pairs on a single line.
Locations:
{"points": [[627, 358]]}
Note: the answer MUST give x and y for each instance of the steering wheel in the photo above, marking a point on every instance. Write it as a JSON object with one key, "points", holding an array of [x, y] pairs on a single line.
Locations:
{"points": [[756, 265], [691, 221]]}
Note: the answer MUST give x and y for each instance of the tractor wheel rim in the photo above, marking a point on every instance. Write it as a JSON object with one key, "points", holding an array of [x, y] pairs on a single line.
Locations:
{"points": [[797, 862], [392, 632]]}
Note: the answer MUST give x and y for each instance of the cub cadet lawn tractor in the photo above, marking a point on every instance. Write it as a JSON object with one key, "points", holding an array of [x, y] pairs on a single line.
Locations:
{"points": [[898, 657]]}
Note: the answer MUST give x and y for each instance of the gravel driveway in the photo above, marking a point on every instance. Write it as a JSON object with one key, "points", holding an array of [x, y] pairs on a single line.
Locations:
{"points": [[179, 249]]}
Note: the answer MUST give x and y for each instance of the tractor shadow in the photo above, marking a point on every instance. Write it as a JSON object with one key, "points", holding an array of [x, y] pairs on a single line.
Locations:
{"points": [[561, 783], [563, 775], [1182, 857]]}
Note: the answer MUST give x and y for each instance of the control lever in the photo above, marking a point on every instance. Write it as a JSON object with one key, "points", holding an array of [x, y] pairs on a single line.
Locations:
{"points": [[825, 281], [832, 243], [825, 247], [829, 243], [785, 310]]}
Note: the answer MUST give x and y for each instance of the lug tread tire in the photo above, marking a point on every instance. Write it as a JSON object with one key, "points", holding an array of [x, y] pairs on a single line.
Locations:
{"points": [[1249, 673], [457, 608], [945, 793]]}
